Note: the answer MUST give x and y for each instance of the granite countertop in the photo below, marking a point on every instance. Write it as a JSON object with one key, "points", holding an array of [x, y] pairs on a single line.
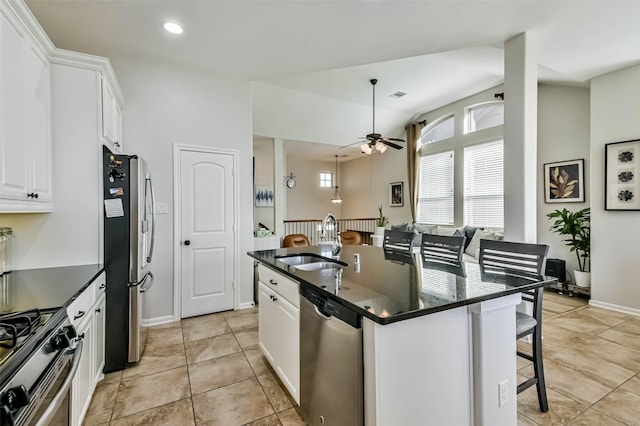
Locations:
{"points": [[390, 286], [46, 287]]}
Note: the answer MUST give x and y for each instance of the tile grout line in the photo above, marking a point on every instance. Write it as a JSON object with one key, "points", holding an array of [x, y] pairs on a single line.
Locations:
{"points": [[184, 346]]}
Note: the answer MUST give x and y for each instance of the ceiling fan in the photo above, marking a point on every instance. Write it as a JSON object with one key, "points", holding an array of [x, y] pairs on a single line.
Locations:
{"points": [[375, 140]]}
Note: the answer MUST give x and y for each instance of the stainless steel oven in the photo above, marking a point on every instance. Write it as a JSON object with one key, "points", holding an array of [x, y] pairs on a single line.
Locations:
{"points": [[38, 393]]}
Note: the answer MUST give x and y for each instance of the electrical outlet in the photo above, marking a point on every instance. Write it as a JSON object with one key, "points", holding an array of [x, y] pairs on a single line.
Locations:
{"points": [[503, 393]]}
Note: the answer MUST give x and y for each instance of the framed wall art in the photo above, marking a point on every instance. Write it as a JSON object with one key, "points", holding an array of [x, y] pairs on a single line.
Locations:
{"points": [[564, 182], [396, 194], [621, 173], [264, 196]]}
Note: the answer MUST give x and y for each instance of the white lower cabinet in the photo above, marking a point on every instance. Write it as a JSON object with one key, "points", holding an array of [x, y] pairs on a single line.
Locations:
{"points": [[86, 313], [98, 314], [83, 382], [279, 330]]}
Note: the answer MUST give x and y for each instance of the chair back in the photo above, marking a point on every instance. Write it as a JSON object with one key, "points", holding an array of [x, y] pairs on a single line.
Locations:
{"points": [[523, 258], [351, 238], [295, 240], [398, 240], [442, 248]]}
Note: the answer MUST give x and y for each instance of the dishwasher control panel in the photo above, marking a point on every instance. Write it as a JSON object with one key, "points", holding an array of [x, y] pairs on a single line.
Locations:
{"points": [[331, 308]]}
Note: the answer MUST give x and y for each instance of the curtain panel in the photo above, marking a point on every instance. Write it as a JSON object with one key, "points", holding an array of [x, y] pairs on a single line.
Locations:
{"points": [[414, 131]]}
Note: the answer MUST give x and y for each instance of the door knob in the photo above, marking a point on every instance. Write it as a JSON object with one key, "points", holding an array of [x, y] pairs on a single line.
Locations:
{"points": [[187, 242]]}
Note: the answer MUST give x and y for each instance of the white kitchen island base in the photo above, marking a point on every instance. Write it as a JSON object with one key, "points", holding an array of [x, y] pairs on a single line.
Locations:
{"points": [[447, 368]]}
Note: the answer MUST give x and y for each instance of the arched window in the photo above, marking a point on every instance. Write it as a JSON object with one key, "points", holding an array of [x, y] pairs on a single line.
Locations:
{"points": [[440, 129], [484, 115]]}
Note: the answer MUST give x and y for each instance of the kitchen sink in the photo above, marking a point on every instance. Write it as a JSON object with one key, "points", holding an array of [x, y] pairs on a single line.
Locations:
{"points": [[310, 261], [315, 266]]}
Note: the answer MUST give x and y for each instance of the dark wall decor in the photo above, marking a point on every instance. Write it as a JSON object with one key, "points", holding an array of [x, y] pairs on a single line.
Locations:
{"points": [[564, 182], [396, 194], [621, 173]]}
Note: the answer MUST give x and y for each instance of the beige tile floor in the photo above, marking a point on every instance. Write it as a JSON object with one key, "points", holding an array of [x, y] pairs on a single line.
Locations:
{"points": [[206, 370], [209, 371]]}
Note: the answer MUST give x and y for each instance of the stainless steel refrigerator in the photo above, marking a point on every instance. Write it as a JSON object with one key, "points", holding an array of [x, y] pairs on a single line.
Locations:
{"points": [[129, 234]]}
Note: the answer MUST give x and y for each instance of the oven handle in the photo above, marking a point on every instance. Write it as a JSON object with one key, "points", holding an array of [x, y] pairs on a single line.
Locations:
{"points": [[62, 392]]}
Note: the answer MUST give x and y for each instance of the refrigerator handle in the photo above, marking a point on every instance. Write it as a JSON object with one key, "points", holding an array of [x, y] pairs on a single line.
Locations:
{"points": [[153, 219], [149, 282]]}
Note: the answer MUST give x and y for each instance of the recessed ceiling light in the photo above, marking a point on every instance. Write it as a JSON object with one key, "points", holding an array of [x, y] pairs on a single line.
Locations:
{"points": [[172, 27]]}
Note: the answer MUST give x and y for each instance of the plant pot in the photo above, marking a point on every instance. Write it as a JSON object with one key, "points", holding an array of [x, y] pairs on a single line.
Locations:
{"points": [[583, 279], [379, 230]]}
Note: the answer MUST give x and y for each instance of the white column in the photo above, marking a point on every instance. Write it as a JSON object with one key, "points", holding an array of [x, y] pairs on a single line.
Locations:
{"points": [[493, 325], [280, 206], [520, 137]]}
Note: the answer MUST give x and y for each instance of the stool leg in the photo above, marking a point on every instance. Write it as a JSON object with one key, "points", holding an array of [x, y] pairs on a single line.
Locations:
{"points": [[539, 369]]}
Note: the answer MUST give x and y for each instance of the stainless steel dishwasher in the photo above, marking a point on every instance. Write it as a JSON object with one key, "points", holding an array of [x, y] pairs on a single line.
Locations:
{"points": [[331, 375]]}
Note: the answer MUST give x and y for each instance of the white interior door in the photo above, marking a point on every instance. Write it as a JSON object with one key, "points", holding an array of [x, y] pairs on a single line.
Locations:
{"points": [[207, 241]]}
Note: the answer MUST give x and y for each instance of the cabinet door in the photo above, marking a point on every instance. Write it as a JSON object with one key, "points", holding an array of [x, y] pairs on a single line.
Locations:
{"points": [[107, 113], [111, 119], [14, 151], [268, 329], [288, 326], [98, 321], [83, 382], [39, 123]]}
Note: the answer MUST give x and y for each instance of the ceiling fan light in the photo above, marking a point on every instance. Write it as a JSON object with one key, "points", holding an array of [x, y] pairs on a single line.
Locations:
{"points": [[366, 148], [381, 147]]}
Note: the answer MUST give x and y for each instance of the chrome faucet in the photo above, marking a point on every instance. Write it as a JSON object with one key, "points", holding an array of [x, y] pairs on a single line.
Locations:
{"points": [[336, 244]]}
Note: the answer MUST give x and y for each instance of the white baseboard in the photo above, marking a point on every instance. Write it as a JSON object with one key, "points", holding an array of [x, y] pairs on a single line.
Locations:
{"points": [[171, 318], [157, 321], [246, 305], [617, 308]]}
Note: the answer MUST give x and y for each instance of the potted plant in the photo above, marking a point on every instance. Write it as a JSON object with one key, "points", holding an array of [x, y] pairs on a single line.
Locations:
{"points": [[381, 222], [577, 227]]}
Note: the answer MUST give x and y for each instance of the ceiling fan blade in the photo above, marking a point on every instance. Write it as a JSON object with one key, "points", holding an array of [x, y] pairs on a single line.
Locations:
{"points": [[394, 139], [392, 145]]}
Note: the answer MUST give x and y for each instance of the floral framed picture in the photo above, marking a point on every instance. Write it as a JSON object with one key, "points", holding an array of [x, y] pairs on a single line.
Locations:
{"points": [[396, 194], [564, 182], [621, 174]]}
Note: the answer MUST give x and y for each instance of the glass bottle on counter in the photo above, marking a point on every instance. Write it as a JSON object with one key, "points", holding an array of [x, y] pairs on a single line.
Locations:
{"points": [[6, 235]]}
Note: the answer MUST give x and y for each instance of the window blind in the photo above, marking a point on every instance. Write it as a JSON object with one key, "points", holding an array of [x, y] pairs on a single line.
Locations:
{"points": [[435, 194], [483, 185]]}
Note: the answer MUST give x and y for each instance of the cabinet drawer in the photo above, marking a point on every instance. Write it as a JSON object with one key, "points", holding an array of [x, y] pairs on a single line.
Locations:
{"points": [[286, 287], [80, 308]]}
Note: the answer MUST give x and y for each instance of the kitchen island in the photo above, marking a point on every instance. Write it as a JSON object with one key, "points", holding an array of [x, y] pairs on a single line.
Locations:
{"points": [[438, 341]]}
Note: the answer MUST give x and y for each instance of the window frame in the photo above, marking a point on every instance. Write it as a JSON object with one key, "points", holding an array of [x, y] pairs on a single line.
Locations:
{"points": [[467, 115], [438, 121], [326, 177]]}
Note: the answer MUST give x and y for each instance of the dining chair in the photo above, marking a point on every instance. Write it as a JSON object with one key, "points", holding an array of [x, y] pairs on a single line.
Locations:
{"points": [[351, 238], [442, 248], [295, 240], [398, 240], [522, 259]]}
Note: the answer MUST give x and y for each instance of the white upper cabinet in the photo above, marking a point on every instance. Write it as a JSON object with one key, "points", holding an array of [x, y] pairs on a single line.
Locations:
{"points": [[111, 118], [25, 120]]}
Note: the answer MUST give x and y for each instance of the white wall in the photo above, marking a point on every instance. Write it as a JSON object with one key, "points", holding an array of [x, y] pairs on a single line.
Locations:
{"points": [[365, 184], [563, 134], [264, 165], [307, 200], [169, 105], [615, 112]]}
